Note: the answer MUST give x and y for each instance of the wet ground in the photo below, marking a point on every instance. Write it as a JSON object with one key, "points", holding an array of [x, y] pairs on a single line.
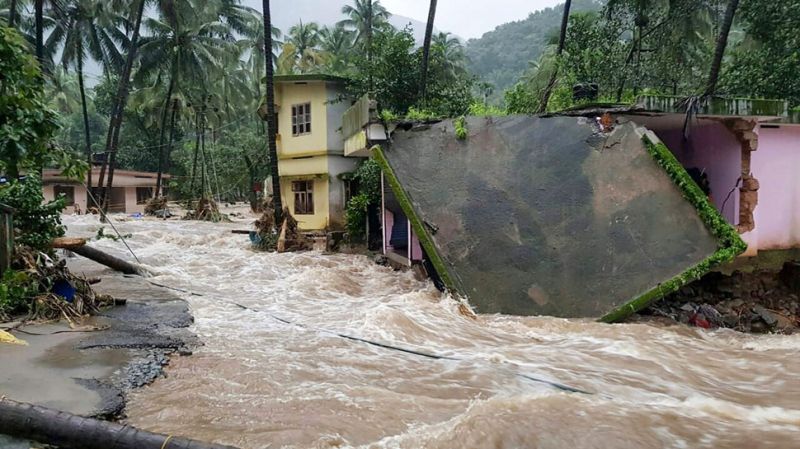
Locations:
{"points": [[88, 368], [274, 370]]}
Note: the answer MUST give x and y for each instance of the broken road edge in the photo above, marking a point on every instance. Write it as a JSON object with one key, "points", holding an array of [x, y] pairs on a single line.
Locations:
{"points": [[730, 244]]}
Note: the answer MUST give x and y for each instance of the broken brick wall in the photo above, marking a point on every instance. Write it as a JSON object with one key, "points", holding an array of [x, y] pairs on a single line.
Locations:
{"points": [[744, 131]]}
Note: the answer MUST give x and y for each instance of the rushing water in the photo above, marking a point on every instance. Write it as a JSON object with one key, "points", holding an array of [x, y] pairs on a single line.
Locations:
{"points": [[259, 382]]}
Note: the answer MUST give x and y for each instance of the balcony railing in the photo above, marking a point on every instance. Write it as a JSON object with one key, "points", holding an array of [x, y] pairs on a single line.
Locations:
{"points": [[356, 117]]}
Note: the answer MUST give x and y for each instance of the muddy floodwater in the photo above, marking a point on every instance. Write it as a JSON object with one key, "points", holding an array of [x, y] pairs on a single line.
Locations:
{"points": [[275, 374]]}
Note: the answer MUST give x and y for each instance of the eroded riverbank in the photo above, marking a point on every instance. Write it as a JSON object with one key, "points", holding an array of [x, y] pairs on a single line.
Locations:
{"points": [[88, 369], [260, 382]]}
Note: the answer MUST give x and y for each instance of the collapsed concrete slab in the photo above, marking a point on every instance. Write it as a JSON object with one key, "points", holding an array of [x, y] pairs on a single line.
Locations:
{"points": [[551, 216]]}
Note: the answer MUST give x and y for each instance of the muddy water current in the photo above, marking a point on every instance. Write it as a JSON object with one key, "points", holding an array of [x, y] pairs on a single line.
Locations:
{"points": [[260, 382]]}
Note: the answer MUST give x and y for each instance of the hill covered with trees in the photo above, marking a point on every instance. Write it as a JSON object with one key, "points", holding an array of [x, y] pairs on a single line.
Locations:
{"points": [[501, 56]]}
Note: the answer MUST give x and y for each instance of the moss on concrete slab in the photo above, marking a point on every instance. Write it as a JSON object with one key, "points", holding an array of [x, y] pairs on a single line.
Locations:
{"points": [[416, 223], [730, 243]]}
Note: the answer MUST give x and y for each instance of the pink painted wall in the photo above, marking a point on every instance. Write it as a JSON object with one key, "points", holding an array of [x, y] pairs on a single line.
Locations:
{"points": [[712, 148], [388, 224], [416, 249], [776, 165]]}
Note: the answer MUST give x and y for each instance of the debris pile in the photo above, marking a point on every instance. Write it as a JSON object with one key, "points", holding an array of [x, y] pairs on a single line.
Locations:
{"points": [[290, 238], [287, 238], [758, 302], [157, 207], [206, 210], [266, 237], [51, 290]]}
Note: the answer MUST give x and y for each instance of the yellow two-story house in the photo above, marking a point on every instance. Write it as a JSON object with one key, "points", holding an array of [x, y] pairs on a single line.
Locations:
{"points": [[311, 160]]}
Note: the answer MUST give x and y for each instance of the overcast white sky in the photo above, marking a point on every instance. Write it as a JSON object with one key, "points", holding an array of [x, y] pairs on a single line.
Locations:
{"points": [[470, 18]]}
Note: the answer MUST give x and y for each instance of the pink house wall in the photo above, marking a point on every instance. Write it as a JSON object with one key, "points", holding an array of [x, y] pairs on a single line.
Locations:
{"points": [[416, 249], [711, 147], [388, 224], [776, 165]]}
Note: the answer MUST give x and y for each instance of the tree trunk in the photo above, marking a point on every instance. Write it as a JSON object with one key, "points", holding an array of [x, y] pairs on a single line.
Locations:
{"points": [[164, 116], [196, 152], [108, 260], [426, 50], [12, 13], [168, 160], [86, 131], [203, 164], [38, 6], [369, 43], [112, 142], [271, 119], [69, 431], [562, 40], [251, 195], [722, 43]]}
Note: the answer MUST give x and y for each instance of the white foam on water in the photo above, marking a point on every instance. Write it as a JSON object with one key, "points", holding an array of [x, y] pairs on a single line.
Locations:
{"points": [[258, 382]]}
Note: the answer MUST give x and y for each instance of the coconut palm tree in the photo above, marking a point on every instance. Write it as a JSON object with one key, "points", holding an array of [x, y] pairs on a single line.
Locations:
{"points": [[366, 17], [562, 40], [252, 45], [63, 91], [426, 49], [722, 43], [121, 99], [181, 47], [305, 40], [12, 13], [86, 28], [272, 121], [452, 50], [337, 43]]}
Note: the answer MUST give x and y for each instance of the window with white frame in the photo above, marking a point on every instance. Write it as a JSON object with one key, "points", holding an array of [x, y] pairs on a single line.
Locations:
{"points": [[301, 119]]}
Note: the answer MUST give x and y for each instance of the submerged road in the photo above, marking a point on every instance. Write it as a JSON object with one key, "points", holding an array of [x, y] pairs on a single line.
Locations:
{"points": [[294, 382]]}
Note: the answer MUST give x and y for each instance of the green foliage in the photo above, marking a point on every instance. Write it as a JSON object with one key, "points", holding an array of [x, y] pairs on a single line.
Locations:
{"points": [[368, 179], [27, 126], [392, 76], [36, 223], [388, 116], [766, 64], [479, 109], [633, 47], [16, 289], [730, 243], [521, 99], [500, 57], [461, 128], [421, 115], [227, 170], [356, 215]]}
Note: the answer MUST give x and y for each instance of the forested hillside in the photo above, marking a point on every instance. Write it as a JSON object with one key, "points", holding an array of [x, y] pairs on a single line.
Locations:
{"points": [[500, 56]]}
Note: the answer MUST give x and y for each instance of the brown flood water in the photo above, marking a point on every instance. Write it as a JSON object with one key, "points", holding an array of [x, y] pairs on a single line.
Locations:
{"points": [[261, 383]]}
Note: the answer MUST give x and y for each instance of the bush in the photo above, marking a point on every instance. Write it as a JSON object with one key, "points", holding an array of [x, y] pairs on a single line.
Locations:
{"points": [[36, 224], [15, 292], [27, 125], [368, 178]]}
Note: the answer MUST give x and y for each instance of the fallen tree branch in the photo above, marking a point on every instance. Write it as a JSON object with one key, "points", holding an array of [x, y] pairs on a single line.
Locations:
{"points": [[68, 431]]}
